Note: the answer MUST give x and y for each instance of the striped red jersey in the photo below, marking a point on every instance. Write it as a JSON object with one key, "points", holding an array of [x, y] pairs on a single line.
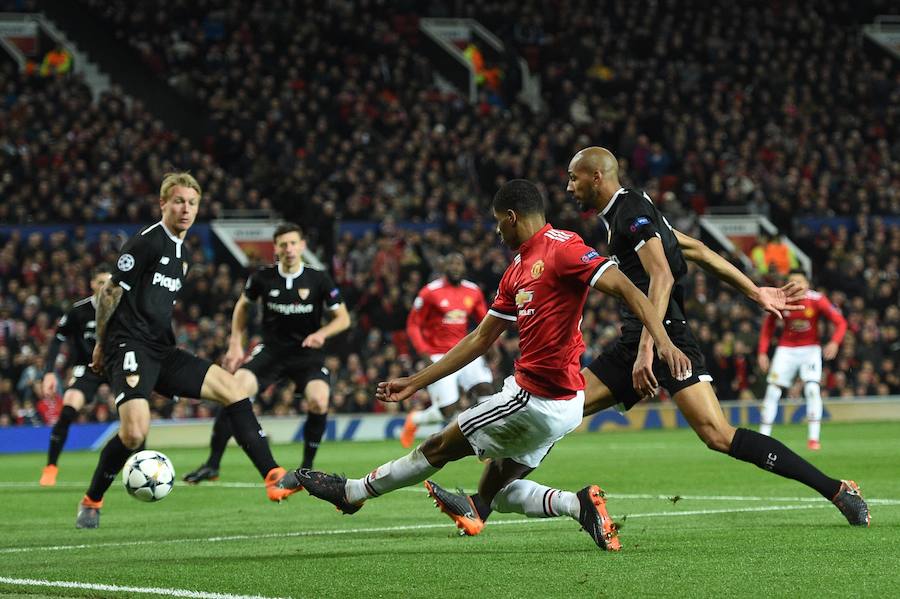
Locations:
{"points": [[544, 291]]}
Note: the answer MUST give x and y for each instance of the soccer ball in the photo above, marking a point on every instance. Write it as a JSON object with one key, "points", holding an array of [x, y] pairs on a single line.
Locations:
{"points": [[148, 475]]}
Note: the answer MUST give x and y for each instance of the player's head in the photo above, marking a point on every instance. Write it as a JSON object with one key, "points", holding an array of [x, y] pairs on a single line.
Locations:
{"points": [[519, 211], [799, 277], [593, 177], [454, 268], [179, 200], [99, 276], [289, 244]]}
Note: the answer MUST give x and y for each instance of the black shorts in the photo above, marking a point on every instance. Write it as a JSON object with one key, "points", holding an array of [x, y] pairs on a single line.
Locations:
{"points": [[85, 380], [135, 371], [270, 365], [614, 366]]}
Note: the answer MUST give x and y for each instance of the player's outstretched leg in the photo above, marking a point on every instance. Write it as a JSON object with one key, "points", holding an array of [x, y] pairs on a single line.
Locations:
{"points": [[221, 434], [348, 495], [700, 407], [58, 437], [588, 507]]}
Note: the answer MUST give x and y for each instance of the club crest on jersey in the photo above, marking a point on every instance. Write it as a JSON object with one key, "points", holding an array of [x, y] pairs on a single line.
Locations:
{"points": [[468, 302], [303, 293], [537, 269], [133, 380], [591, 255], [809, 312], [638, 223]]}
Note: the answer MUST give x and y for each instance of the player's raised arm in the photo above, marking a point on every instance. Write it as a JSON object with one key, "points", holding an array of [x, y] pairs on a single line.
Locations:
{"points": [[614, 283], [470, 347], [771, 299]]}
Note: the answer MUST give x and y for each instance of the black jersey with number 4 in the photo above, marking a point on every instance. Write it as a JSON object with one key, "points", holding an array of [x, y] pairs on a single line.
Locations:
{"points": [[151, 270], [292, 304], [78, 328], [632, 220]]}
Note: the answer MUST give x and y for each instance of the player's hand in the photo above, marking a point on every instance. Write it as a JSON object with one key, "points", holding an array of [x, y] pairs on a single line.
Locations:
{"points": [[830, 351], [642, 378], [48, 385], [97, 359], [314, 340], [774, 300], [678, 363], [233, 359], [395, 390], [763, 360]]}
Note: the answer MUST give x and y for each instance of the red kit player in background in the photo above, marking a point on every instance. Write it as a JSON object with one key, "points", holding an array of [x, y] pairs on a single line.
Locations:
{"points": [[439, 319], [799, 354]]}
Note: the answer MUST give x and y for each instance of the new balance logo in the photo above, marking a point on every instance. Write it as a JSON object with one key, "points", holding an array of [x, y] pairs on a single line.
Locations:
{"points": [[169, 283]]}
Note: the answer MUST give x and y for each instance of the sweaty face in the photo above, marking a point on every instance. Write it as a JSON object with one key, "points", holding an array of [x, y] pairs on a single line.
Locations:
{"points": [[579, 187], [505, 228], [180, 209], [289, 247], [456, 268]]}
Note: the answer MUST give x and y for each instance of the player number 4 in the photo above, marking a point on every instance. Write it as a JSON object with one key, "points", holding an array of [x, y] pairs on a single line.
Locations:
{"points": [[130, 363]]}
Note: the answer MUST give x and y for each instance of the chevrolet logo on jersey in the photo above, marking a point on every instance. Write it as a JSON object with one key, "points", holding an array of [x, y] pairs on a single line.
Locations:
{"points": [[523, 296], [169, 283], [455, 317]]}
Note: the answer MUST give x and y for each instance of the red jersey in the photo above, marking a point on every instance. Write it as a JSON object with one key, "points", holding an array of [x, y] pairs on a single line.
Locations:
{"points": [[801, 327], [440, 315], [544, 291]]}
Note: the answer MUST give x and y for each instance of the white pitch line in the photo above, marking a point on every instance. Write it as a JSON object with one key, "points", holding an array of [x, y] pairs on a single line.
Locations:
{"points": [[246, 485], [64, 584], [399, 528]]}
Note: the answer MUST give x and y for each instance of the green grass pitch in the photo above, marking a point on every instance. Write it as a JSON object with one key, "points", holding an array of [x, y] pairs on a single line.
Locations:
{"points": [[736, 531]]}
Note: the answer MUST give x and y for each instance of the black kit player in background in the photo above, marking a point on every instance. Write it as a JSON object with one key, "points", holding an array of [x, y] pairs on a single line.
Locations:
{"points": [[136, 348], [77, 329], [294, 297], [653, 256]]}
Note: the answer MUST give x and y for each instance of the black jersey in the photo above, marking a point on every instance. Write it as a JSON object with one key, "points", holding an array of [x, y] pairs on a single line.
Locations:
{"points": [[292, 304], [151, 269], [78, 328], [631, 220]]}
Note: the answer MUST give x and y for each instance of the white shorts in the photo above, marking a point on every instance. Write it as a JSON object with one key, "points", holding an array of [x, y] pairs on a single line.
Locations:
{"points": [[516, 424], [445, 392], [789, 362]]}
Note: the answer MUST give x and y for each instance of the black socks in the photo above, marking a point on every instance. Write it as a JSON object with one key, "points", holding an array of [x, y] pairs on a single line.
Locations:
{"points": [[481, 506], [112, 458], [313, 431], [250, 435], [60, 433], [771, 454], [221, 433]]}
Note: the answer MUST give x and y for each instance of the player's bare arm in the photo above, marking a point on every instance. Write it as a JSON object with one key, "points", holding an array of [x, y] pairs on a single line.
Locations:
{"points": [[653, 259], [614, 283], [234, 357], [771, 299], [470, 347], [339, 322], [108, 299]]}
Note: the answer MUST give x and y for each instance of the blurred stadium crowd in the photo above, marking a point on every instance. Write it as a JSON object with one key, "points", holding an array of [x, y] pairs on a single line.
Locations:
{"points": [[326, 113]]}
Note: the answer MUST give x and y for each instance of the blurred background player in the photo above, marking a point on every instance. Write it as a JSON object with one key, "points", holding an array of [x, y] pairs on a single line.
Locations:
{"points": [[78, 330], [136, 348], [439, 318], [799, 354], [293, 297]]}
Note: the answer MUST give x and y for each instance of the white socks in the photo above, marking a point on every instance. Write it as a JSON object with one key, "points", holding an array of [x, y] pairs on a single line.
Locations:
{"points": [[770, 409], [410, 469], [813, 409], [536, 501], [430, 415]]}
